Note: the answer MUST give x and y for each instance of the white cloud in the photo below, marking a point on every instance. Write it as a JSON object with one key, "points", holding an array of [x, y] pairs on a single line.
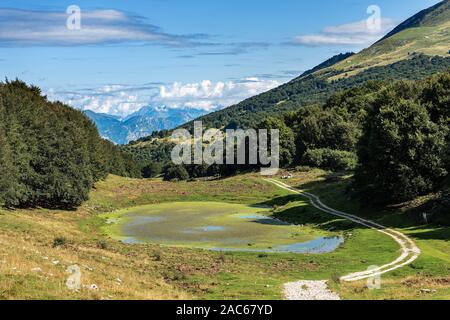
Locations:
{"points": [[122, 100], [115, 100], [49, 28], [350, 34], [207, 95]]}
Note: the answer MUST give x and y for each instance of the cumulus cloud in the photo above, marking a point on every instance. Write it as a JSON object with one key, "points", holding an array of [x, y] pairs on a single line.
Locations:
{"points": [[49, 28], [208, 95], [350, 34], [117, 100], [122, 100]]}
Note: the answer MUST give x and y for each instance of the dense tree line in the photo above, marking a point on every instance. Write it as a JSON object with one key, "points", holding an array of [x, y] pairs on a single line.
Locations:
{"points": [[50, 154], [395, 136], [151, 155], [404, 149]]}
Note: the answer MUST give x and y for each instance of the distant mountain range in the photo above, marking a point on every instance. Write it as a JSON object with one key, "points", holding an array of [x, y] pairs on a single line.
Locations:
{"points": [[141, 123]]}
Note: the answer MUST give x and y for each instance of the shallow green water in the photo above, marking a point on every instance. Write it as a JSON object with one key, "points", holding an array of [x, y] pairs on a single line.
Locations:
{"points": [[216, 226]]}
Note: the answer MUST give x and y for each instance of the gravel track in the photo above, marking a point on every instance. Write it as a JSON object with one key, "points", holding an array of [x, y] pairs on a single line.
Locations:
{"points": [[309, 290], [409, 251]]}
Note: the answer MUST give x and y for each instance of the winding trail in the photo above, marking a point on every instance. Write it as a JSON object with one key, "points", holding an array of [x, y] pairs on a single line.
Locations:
{"points": [[409, 251]]}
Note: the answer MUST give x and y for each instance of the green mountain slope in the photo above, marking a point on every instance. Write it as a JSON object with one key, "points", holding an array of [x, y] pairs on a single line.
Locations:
{"points": [[417, 48], [316, 89], [328, 63], [427, 32], [433, 16]]}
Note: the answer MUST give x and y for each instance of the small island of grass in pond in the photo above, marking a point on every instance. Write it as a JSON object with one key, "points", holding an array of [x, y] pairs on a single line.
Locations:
{"points": [[216, 226]]}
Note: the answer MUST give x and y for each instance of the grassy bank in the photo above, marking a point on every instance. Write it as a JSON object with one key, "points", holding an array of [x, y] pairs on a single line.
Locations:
{"points": [[38, 246]]}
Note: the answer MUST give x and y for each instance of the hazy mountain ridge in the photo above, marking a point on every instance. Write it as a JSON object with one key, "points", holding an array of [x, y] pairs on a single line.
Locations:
{"points": [[332, 61], [141, 123]]}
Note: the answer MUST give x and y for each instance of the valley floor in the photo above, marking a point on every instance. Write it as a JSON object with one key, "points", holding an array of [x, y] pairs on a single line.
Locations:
{"points": [[38, 246]]}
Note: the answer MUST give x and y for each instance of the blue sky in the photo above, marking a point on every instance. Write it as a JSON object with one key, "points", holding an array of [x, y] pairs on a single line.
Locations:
{"points": [[195, 53]]}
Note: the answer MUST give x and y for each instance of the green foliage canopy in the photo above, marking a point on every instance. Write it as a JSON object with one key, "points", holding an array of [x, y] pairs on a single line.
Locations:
{"points": [[50, 154]]}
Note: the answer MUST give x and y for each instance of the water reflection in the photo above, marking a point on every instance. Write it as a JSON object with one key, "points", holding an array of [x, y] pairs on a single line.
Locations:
{"points": [[316, 246]]}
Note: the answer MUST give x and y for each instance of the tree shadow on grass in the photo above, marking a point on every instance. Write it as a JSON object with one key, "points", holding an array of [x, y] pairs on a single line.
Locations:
{"points": [[46, 206], [280, 201], [271, 222], [429, 232], [335, 192], [300, 214]]}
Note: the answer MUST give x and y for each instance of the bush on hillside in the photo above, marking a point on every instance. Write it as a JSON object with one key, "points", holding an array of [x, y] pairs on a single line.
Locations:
{"points": [[176, 173], [330, 159], [151, 170]]}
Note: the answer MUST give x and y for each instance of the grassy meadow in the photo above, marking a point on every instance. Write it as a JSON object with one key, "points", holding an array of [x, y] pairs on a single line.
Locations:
{"points": [[39, 245]]}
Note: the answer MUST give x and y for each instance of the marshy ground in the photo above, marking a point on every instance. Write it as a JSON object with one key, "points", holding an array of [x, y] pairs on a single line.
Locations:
{"points": [[216, 226]]}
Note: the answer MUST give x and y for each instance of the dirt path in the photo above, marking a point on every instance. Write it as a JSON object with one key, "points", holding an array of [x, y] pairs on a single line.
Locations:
{"points": [[409, 251]]}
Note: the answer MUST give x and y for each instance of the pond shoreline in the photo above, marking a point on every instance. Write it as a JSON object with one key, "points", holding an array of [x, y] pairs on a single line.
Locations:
{"points": [[217, 226]]}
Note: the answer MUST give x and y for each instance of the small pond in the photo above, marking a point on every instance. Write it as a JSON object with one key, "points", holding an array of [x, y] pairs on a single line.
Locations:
{"points": [[216, 226]]}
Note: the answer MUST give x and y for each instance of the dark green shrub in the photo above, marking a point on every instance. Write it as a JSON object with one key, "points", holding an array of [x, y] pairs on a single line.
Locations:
{"points": [[59, 242], [157, 256], [151, 170], [329, 159], [102, 244], [176, 173]]}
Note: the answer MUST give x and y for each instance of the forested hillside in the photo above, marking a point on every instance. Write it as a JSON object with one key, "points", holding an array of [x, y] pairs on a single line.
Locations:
{"points": [[417, 48], [50, 154], [395, 137], [310, 89]]}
